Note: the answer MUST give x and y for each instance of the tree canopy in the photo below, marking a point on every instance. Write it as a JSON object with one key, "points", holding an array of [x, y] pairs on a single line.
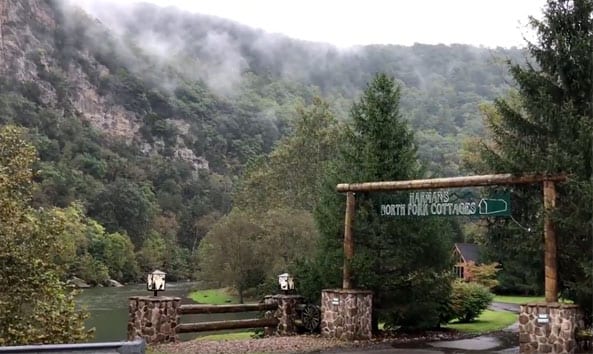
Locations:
{"points": [[547, 127], [390, 256], [36, 306]]}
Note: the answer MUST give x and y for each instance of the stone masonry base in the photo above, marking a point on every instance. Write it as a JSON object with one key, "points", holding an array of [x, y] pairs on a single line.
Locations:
{"points": [[548, 328], [286, 313], [346, 314], [153, 318]]}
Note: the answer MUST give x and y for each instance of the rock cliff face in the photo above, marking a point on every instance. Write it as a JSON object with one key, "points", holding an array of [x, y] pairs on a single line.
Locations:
{"points": [[47, 47], [25, 27], [29, 35]]}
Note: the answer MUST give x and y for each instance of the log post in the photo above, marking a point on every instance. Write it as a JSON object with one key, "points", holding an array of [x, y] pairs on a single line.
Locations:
{"points": [[348, 241], [551, 275]]}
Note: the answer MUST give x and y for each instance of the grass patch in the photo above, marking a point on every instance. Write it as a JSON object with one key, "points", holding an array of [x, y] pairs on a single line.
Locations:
{"points": [[488, 321], [229, 336], [524, 299], [213, 297], [517, 299]]}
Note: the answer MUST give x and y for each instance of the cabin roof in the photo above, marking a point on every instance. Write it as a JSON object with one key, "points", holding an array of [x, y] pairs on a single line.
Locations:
{"points": [[469, 252]]}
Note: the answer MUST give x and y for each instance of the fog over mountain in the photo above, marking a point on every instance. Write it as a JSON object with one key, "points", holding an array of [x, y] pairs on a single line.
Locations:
{"points": [[158, 111], [219, 51]]}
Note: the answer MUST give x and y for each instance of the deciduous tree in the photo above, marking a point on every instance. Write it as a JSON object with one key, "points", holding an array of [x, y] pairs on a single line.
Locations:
{"points": [[35, 305], [290, 175], [229, 254]]}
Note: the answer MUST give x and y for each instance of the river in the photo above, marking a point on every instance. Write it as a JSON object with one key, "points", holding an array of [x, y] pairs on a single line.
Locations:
{"points": [[108, 309]]}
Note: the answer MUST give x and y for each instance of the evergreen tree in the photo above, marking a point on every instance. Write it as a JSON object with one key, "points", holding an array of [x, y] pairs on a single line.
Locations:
{"points": [[517, 246], [403, 261], [550, 130]]}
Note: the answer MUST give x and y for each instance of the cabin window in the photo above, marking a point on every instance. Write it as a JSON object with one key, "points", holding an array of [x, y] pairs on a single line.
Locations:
{"points": [[458, 271]]}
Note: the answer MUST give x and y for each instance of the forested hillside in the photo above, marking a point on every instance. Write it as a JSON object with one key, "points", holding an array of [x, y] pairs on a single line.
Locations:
{"points": [[442, 85], [147, 117]]}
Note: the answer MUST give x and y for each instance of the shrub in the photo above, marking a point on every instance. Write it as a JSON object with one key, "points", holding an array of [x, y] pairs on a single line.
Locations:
{"points": [[468, 300], [418, 303], [484, 274]]}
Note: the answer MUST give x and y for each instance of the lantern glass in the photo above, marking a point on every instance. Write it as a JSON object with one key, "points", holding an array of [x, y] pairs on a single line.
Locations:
{"points": [[286, 281], [155, 281]]}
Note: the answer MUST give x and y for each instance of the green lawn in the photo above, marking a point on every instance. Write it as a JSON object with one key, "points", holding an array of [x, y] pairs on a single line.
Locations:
{"points": [[488, 321], [517, 299], [213, 297], [523, 299]]}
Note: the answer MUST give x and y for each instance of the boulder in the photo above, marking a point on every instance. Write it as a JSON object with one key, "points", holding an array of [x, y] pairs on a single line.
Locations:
{"points": [[113, 283], [78, 283]]}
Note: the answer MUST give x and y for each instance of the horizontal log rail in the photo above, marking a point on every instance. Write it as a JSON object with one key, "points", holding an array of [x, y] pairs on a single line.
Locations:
{"points": [[203, 309], [232, 324], [449, 182]]}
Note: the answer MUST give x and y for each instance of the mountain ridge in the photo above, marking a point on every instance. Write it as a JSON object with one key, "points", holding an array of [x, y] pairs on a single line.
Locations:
{"points": [[173, 132]]}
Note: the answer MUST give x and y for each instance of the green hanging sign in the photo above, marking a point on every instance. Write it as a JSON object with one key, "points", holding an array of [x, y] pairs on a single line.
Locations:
{"points": [[446, 203]]}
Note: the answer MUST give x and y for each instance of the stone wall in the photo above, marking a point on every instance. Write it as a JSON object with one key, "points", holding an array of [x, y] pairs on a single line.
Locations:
{"points": [[548, 328], [153, 318], [286, 313], [346, 314]]}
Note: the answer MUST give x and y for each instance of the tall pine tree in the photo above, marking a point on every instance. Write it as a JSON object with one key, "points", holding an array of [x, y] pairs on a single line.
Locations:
{"points": [[550, 130], [403, 261]]}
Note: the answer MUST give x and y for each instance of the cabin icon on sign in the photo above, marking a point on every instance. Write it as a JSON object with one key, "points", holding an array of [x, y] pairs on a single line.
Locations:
{"points": [[493, 207]]}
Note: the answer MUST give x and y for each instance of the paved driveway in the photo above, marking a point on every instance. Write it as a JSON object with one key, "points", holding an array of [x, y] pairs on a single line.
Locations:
{"points": [[485, 344]]}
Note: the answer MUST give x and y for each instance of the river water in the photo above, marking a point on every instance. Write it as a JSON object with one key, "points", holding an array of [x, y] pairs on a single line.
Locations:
{"points": [[108, 308]]}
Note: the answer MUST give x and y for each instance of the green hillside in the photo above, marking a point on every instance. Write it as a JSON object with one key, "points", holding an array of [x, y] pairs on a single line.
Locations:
{"points": [[148, 120]]}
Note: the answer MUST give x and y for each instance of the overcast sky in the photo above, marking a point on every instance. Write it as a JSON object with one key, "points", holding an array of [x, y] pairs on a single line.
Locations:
{"points": [[346, 23]]}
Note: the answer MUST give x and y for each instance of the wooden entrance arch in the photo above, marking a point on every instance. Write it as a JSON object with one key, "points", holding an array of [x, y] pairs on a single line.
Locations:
{"points": [[549, 194]]}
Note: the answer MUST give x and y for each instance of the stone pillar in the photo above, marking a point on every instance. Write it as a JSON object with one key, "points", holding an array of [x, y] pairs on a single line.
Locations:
{"points": [[346, 314], [286, 313], [548, 328], [154, 319]]}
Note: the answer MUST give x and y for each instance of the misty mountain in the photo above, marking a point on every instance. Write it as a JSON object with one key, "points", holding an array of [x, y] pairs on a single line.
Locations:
{"points": [[442, 85], [145, 113], [226, 47]]}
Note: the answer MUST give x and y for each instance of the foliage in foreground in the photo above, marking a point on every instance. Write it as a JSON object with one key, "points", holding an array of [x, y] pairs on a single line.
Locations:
{"points": [[35, 305]]}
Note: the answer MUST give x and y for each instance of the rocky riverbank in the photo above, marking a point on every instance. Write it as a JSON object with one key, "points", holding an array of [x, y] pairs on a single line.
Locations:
{"points": [[81, 284]]}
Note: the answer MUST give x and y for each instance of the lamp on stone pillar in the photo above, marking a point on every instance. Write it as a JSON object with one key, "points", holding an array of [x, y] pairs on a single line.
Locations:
{"points": [[156, 281], [286, 282]]}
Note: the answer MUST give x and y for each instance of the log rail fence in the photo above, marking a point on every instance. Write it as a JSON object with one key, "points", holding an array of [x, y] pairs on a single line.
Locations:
{"points": [[226, 324], [158, 319]]}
